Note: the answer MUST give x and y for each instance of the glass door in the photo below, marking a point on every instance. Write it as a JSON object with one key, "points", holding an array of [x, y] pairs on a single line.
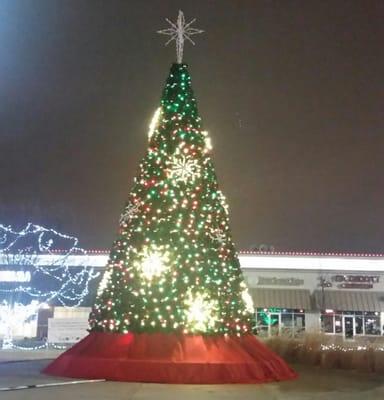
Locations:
{"points": [[349, 326]]}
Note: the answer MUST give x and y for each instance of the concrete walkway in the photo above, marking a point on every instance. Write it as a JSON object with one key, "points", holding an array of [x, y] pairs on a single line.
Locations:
{"points": [[18, 355], [314, 383]]}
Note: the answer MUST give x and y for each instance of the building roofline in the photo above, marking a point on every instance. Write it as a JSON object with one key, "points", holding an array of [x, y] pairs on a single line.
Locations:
{"points": [[270, 253]]}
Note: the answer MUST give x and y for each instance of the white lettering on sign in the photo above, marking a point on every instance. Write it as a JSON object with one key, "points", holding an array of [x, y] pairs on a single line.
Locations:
{"points": [[272, 281], [15, 276]]}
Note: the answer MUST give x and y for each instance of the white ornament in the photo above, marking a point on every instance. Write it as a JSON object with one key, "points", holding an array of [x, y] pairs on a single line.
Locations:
{"points": [[154, 262], [201, 312], [130, 212], [178, 32], [218, 236], [152, 266], [184, 168]]}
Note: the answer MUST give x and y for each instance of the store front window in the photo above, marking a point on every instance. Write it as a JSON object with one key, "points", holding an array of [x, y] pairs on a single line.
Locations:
{"points": [[351, 323], [279, 322], [372, 323], [328, 323]]}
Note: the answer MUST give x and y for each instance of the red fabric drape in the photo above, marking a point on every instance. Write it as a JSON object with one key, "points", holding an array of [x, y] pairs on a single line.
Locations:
{"points": [[171, 358]]}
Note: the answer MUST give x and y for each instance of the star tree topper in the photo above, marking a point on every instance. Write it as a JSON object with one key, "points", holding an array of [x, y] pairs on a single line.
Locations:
{"points": [[180, 31]]}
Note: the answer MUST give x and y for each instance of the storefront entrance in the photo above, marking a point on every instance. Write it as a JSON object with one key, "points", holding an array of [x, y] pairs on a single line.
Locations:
{"points": [[349, 326]]}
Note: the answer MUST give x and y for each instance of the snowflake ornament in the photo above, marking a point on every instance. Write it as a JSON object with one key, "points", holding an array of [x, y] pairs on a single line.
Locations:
{"points": [[130, 212], [218, 236], [154, 262], [184, 168], [201, 312]]}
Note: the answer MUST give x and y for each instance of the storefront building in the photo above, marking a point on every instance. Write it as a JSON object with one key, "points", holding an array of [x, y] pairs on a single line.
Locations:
{"points": [[338, 294], [293, 293]]}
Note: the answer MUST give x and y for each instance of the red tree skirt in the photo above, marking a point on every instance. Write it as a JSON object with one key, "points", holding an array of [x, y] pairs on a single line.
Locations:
{"points": [[171, 358]]}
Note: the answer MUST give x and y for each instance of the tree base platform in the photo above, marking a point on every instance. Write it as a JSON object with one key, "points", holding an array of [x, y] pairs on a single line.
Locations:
{"points": [[171, 358]]}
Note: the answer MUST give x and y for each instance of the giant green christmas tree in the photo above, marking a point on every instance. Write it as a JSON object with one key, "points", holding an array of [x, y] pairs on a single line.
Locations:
{"points": [[174, 266], [172, 306]]}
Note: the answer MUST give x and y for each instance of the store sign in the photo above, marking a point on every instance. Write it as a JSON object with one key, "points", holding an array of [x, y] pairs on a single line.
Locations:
{"points": [[273, 281], [15, 276], [355, 286], [357, 278], [355, 281]]}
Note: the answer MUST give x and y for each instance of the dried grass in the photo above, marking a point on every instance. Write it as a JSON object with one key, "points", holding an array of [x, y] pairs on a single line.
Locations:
{"points": [[363, 354]]}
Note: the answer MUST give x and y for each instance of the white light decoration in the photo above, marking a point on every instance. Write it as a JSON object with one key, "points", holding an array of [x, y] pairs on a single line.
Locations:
{"points": [[179, 32], [13, 320], [129, 212], [247, 300], [104, 281], [154, 122], [201, 313], [15, 276], [184, 168], [223, 201], [308, 262], [154, 263], [31, 247], [249, 260], [208, 142], [50, 256]]}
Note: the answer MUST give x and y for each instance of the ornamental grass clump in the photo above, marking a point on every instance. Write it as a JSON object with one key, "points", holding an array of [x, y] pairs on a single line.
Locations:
{"points": [[363, 354]]}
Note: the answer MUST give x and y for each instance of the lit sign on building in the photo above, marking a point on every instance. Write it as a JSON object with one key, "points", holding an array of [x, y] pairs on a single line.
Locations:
{"points": [[356, 281], [273, 281], [15, 276], [357, 278], [355, 286]]}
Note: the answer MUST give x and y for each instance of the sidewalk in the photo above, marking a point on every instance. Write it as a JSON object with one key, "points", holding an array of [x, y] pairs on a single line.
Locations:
{"points": [[28, 355]]}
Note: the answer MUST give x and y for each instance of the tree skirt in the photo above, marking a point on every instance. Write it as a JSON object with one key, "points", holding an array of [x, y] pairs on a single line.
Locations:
{"points": [[171, 358]]}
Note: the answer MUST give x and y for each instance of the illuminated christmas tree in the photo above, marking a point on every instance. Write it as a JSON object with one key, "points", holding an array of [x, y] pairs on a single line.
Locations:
{"points": [[174, 266], [172, 305]]}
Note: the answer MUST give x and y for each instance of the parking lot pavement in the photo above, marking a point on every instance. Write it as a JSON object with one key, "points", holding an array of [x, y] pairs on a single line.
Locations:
{"points": [[313, 384]]}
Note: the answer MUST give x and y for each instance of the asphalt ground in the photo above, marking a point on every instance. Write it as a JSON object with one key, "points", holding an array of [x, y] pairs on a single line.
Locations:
{"points": [[21, 379]]}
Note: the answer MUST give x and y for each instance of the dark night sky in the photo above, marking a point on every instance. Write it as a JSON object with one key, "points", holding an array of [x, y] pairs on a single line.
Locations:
{"points": [[291, 93]]}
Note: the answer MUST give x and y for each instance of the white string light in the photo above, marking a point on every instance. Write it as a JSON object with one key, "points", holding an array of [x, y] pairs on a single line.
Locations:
{"points": [[154, 122], [24, 248]]}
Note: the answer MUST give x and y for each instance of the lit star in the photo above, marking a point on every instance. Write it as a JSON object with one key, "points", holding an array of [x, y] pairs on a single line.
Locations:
{"points": [[179, 32]]}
